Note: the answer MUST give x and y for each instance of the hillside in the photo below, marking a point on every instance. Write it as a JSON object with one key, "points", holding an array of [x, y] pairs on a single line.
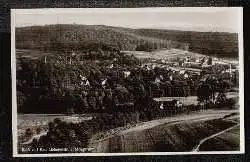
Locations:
{"points": [[56, 37], [171, 136]]}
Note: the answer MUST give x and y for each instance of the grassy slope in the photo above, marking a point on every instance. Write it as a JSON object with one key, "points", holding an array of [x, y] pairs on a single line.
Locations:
{"points": [[176, 137], [228, 141], [164, 138], [222, 44]]}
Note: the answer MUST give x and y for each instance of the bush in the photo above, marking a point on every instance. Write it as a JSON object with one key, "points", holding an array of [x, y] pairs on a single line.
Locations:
{"points": [[29, 132]]}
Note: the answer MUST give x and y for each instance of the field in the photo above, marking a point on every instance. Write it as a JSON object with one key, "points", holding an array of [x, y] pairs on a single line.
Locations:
{"points": [[193, 99], [169, 134], [163, 54]]}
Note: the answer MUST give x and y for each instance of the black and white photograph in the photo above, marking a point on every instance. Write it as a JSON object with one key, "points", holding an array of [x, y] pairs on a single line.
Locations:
{"points": [[127, 81]]}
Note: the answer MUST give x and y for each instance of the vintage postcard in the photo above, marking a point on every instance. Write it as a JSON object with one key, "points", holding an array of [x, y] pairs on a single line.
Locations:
{"points": [[127, 81]]}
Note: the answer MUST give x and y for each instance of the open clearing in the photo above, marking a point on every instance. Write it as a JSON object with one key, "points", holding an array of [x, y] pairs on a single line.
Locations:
{"points": [[163, 54]]}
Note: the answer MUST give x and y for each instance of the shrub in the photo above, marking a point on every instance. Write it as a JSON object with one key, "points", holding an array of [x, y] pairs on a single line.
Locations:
{"points": [[28, 132]]}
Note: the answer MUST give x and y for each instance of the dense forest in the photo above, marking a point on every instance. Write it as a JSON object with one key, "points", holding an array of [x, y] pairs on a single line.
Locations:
{"points": [[56, 37], [209, 43], [66, 83]]}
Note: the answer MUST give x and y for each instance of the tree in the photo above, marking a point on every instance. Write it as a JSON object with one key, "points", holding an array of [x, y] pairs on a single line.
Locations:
{"points": [[209, 62], [204, 93], [221, 99]]}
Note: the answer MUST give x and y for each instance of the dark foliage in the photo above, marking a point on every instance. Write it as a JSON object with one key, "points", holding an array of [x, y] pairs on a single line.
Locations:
{"points": [[69, 84], [56, 37]]}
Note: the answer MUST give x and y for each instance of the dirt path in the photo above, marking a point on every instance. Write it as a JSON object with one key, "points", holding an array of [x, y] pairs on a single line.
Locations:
{"points": [[213, 136]]}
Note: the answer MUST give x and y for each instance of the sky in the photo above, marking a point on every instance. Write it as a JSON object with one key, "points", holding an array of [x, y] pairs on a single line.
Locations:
{"points": [[197, 19]]}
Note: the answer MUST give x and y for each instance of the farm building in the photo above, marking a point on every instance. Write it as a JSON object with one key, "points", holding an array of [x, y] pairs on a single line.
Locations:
{"points": [[191, 65], [178, 100]]}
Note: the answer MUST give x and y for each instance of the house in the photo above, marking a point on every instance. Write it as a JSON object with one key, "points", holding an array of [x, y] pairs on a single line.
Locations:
{"points": [[169, 105], [126, 73], [191, 65]]}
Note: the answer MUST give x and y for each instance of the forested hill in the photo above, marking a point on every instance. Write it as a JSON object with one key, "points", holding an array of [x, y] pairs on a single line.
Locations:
{"points": [[220, 44], [55, 37]]}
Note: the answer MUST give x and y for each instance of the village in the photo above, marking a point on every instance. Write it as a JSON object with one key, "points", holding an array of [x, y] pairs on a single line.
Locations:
{"points": [[157, 77], [123, 89]]}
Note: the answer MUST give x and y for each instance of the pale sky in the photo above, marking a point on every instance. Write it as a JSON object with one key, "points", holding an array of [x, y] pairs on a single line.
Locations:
{"points": [[197, 19]]}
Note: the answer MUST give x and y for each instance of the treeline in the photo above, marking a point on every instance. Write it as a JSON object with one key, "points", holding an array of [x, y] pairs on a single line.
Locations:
{"points": [[50, 36], [209, 43]]}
